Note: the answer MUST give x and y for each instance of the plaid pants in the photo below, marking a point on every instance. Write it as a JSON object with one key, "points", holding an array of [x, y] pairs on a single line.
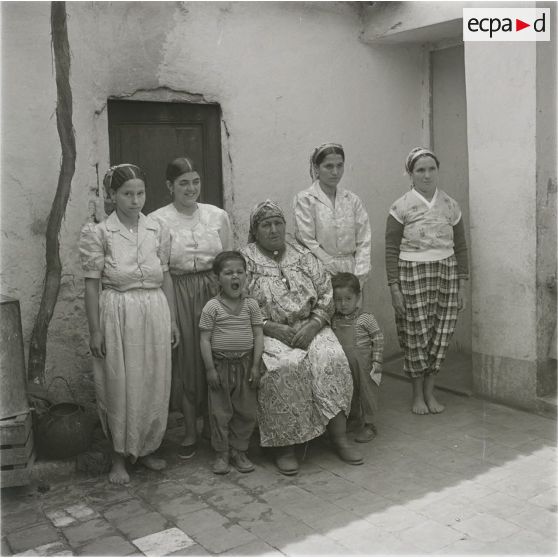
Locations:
{"points": [[430, 292]]}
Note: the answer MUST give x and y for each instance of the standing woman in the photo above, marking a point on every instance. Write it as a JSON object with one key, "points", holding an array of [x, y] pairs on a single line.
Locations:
{"points": [[331, 221], [130, 310], [198, 232], [427, 266]]}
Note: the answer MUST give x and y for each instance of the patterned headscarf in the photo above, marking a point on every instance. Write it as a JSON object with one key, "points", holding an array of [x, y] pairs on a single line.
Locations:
{"points": [[316, 153], [261, 211], [415, 154]]}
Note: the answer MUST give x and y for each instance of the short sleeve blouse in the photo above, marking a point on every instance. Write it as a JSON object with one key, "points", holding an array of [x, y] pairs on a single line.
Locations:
{"points": [[124, 260], [194, 244]]}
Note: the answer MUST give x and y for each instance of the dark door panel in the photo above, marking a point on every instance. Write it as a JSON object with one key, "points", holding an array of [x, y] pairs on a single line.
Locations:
{"points": [[152, 134]]}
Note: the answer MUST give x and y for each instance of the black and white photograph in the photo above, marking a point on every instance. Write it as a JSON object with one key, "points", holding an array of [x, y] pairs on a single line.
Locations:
{"points": [[278, 278]]}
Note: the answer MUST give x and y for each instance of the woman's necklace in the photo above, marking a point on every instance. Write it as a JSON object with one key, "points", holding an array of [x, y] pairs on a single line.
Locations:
{"points": [[133, 228], [190, 222], [274, 254]]}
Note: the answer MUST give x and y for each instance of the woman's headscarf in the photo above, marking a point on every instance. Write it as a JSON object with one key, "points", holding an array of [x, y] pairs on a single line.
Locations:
{"points": [[315, 154], [415, 154], [261, 211]]}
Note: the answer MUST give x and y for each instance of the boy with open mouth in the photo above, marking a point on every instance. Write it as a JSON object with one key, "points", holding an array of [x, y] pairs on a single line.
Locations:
{"points": [[231, 341]]}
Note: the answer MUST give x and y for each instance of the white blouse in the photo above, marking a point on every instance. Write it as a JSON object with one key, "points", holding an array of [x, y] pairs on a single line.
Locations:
{"points": [[124, 260], [196, 239], [334, 233]]}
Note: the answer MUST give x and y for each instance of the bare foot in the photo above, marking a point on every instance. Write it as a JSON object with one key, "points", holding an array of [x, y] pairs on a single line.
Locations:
{"points": [[118, 473], [434, 406], [153, 463], [419, 406]]}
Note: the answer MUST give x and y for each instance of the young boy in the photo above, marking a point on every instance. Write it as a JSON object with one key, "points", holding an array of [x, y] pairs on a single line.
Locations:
{"points": [[363, 343], [231, 341]]}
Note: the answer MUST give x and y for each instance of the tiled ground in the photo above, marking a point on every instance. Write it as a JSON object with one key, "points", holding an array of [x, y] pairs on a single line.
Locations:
{"points": [[480, 479]]}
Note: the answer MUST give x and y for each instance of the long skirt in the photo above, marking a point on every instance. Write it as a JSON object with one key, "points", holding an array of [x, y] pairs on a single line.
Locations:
{"points": [[300, 391], [191, 293], [133, 381], [430, 293]]}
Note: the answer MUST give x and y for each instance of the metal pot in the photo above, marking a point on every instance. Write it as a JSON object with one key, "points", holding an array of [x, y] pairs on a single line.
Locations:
{"points": [[65, 429]]}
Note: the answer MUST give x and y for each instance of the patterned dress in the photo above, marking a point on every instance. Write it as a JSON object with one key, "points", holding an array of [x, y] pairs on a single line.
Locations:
{"points": [[301, 390]]}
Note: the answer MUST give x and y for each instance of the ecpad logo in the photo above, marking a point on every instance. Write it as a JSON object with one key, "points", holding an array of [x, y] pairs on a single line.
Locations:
{"points": [[506, 24]]}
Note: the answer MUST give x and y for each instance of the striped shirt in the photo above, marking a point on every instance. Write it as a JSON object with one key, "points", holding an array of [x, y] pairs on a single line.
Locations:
{"points": [[368, 336], [230, 332]]}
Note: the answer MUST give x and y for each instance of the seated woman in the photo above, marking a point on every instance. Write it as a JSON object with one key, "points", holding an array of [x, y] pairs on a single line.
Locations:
{"points": [[307, 384]]}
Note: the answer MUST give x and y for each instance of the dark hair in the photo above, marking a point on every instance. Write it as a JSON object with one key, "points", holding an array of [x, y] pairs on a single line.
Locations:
{"points": [[413, 162], [223, 257], [332, 150], [348, 280], [179, 166], [119, 174]]}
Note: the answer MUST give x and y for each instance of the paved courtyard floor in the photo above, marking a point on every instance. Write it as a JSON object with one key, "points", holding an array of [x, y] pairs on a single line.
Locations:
{"points": [[479, 479]]}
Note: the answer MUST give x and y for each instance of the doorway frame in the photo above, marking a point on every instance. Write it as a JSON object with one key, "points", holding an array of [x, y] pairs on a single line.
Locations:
{"points": [[427, 85], [158, 95]]}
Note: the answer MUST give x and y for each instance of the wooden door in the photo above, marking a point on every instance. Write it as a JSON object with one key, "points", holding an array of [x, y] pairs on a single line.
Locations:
{"points": [[150, 135]]}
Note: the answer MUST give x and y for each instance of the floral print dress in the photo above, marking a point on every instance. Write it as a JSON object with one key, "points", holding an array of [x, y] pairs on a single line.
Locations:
{"points": [[300, 390]]}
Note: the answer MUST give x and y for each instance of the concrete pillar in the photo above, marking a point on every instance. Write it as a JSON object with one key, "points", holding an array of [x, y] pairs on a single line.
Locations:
{"points": [[501, 114], [547, 182]]}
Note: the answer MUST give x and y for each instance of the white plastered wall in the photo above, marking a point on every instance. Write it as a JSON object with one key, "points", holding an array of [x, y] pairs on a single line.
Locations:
{"points": [[501, 113], [287, 76]]}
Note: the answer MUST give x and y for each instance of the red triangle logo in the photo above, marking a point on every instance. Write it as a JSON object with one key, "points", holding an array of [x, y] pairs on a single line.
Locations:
{"points": [[519, 25]]}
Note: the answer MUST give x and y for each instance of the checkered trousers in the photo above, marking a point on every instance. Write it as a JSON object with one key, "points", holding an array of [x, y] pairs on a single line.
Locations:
{"points": [[430, 293]]}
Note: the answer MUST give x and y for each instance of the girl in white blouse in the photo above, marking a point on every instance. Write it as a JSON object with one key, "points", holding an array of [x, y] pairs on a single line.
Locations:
{"points": [[198, 233], [130, 310], [331, 221]]}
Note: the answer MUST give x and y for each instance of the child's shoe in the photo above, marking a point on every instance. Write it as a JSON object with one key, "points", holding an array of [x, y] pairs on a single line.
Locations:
{"points": [[366, 434], [221, 463], [240, 462]]}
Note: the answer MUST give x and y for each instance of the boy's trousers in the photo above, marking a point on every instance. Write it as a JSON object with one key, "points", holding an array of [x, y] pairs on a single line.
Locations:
{"points": [[232, 407], [365, 391]]}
